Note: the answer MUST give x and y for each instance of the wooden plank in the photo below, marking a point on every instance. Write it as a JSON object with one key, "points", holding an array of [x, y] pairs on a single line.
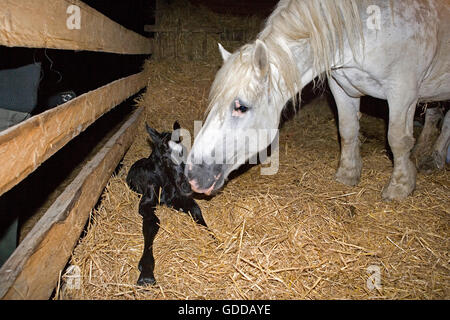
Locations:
{"points": [[25, 146], [155, 28], [47, 24], [32, 271]]}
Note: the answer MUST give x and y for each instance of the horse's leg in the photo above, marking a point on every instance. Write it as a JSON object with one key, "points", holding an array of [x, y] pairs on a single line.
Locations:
{"points": [[442, 143], [350, 164], [401, 141], [150, 227], [421, 153]]}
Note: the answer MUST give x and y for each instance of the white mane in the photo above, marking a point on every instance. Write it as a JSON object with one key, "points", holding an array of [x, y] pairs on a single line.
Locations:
{"points": [[324, 24]]}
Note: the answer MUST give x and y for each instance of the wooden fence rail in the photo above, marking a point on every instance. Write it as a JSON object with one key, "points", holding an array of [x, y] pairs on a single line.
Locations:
{"points": [[25, 146], [53, 24], [33, 269]]}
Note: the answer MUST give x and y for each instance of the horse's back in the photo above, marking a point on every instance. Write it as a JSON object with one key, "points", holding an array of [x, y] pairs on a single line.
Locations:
{"points": [[436, 85], [411, 46]]}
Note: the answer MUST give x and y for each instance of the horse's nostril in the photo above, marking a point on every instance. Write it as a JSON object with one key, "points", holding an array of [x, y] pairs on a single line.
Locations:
{"points": [[194, 186]]}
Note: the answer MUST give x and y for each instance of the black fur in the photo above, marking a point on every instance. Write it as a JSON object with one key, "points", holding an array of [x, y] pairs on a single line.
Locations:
{"points": [[161, 181]]}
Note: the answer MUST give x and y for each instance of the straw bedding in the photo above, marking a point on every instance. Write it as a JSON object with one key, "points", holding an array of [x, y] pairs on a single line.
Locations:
{"points": [[296, 235]]}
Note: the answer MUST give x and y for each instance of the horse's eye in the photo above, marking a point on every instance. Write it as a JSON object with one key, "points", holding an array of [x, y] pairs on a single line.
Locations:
{"points": [[241, 109]]}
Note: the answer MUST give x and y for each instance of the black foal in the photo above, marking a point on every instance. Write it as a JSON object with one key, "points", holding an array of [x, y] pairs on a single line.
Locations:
{"points": [[161, 181]]}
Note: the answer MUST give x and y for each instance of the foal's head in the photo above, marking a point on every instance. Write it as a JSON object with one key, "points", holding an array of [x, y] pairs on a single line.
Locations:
{"points": [[169, 153]]}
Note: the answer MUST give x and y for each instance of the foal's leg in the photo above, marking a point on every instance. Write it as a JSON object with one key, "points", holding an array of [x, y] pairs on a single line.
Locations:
{"points": [[401, 141], [188, 205], [150, 227], [350, 164], [421, 151]]}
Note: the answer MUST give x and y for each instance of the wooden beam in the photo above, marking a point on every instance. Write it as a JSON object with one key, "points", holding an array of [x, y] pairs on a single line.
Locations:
{"points": [[156, 28], [53, 24], [33, 270], [25, 146]]}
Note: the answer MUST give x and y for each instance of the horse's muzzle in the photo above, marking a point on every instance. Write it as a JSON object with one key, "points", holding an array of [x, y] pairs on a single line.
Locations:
{"points": [[205, 178]]}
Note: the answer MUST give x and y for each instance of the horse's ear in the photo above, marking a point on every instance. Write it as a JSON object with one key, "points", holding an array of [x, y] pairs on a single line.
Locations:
{"points": [[154, 135], [225, 54], [261, 58]]}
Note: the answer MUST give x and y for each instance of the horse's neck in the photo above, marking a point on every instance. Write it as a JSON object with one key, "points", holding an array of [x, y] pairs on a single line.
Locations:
{"points": [[305, 66]]}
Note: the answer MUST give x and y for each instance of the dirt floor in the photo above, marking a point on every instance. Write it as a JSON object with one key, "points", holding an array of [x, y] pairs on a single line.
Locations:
{"points": [[296, 235]]}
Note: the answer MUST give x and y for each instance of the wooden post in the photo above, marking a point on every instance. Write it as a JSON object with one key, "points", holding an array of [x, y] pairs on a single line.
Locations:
{"points": [[205, 45], [161, 7]]}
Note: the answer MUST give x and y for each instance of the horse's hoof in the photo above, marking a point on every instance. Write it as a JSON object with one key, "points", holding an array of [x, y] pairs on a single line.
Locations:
{"points": [[427, 165], [396, 192], [146, 281], [433, 162], [349, 177]]}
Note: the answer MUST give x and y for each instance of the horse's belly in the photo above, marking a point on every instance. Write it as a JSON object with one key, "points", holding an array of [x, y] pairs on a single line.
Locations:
{"points": [[436, 85], [436, 89], [357, 83]]}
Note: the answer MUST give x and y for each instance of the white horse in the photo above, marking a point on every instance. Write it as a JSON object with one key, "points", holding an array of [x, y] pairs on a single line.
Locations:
{"points": [[394, 50]]}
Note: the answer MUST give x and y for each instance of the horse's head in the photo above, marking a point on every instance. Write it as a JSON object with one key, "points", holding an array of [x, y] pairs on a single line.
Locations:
{"points": [[242, 109]]}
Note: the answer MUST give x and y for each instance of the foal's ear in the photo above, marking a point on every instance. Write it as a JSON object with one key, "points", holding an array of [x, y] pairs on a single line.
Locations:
{"points": [[261, 59], [176, 125], [225, 54], [175, 134], [155, 136]]}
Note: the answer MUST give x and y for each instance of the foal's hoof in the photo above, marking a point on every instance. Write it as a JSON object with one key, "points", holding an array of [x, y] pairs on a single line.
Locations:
{"points": [[146, 281]]}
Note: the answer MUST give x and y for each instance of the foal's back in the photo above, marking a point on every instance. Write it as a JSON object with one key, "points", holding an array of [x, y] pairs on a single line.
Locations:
{"points": [[143, 173]]}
